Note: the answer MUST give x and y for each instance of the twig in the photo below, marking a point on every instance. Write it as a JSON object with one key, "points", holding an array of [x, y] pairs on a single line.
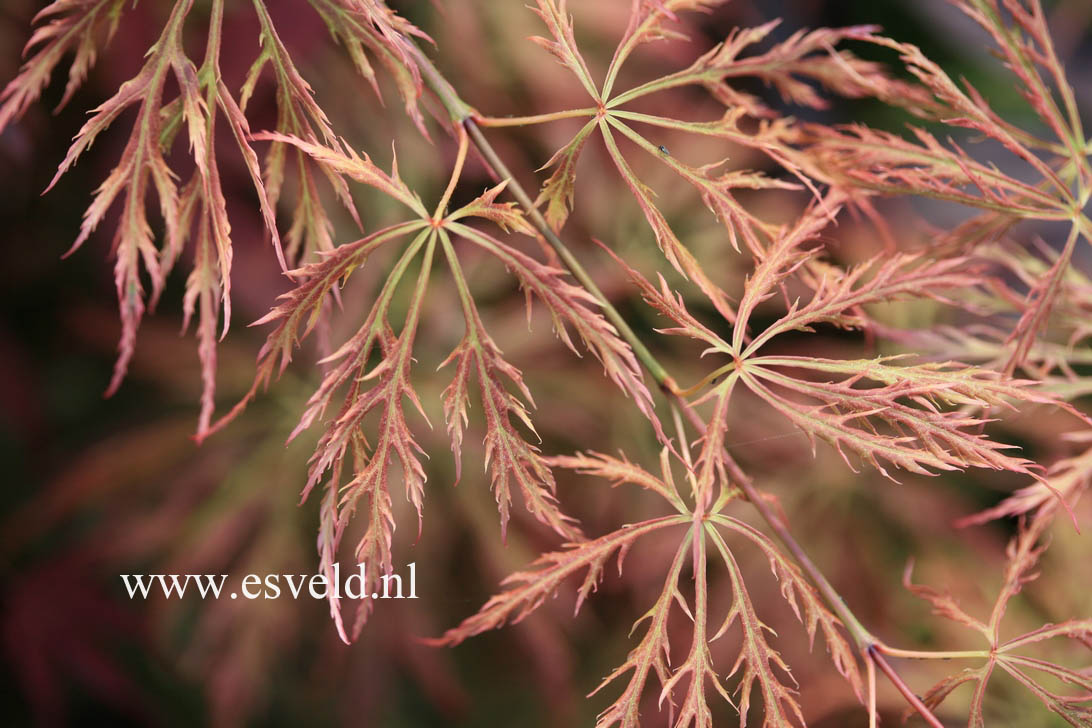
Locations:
{"points": [[462, 114]]}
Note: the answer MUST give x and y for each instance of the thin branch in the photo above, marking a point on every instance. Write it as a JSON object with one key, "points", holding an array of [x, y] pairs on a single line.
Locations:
{"points": [[903, 688], [498, 121], [462, 114]]}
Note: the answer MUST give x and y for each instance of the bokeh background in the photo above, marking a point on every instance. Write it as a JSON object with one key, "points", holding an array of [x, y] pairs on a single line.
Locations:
{"points": [[93, 487]]}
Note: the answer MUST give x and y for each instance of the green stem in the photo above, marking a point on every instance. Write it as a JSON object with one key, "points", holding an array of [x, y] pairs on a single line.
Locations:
{"points": [[456, 172], [493, 121], [929, 655]]}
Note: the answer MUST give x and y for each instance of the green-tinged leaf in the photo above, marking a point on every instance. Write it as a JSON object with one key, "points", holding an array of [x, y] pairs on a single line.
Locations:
{"points": [[785, 255], [1074, 710], [698, 666], [299, 310], [839, 296], [557, 191], [797, 591], [646, 25], [620, 471], [528, 589], [508, 456], [1079, 630], [298, 116], [716, 191], [142, 159], [570, 306], [671, 305], [889, 164], [652, 654], [338, 159], [710, 468], [382, 389], [506, 215], [676, 253], [1024, 552], [554, 14], [837, 429], [919, 437], [351, 360], [785, 66], [757, 662], [1065, 481], [63, 27], [371, 27], [203, 295]]}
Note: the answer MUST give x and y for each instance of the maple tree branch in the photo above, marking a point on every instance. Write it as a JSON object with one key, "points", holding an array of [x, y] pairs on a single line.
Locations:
{"points": [[463, 115], [885, 667]]}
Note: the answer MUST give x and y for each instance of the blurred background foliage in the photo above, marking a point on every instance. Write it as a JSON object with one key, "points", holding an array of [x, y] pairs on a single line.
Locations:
{"points": [[95, 488]]}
